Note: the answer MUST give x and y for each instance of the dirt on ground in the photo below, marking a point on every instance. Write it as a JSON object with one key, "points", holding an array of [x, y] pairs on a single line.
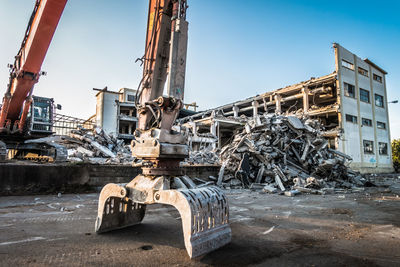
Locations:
{"points": [[358, 229]]}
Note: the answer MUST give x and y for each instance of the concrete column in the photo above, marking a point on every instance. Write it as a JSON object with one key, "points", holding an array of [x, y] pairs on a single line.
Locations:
{"points": [[265, 105], [278, 100], [213, 128], [306, 104], [219, 136], [387, 122], [194, 128], [257, 119], [340, 95], [255, 105], [372, 99], [359, 120], [235, 111]]}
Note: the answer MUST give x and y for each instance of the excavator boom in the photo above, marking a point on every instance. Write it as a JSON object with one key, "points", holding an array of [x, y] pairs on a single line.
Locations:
{"points": [[26, 70], [204, 211]]}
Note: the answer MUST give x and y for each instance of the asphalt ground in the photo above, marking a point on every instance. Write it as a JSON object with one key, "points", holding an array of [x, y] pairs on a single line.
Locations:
{"points": [[358, 229]]}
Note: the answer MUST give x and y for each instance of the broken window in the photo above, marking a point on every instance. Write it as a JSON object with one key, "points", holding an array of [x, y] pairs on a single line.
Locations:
{"points": [[364, 95], [349, 90], [379, 100], [377, 78], [131, 98], [363, 72], [366, 122], [381, 125], [383, 148], [351, 118], [368, 147], [347, 64]]}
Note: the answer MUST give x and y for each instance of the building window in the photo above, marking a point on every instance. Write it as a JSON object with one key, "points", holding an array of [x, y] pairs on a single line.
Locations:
{"points": [[364, 95], [349, 90], [366, 122], [131, 98], [383, 148], [363, 71], [381, 125], [347, 64], [368, 147], [351, 118], [377, 78], [379, 101]]}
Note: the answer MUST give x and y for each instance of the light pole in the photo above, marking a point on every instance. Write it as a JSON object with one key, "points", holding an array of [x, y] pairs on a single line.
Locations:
{"points": [[393, 102]]}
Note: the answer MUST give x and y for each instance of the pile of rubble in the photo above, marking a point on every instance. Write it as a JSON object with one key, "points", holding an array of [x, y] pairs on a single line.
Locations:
{"points": [[206, 155], [96, 146], [285, 154]]}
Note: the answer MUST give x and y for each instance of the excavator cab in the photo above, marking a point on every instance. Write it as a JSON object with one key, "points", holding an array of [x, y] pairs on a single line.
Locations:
{"points": [[40, 117]]}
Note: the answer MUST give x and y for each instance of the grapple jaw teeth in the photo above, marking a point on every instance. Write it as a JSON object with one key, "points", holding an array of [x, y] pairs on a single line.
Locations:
{"points": [[116, 210], [205, 217]]}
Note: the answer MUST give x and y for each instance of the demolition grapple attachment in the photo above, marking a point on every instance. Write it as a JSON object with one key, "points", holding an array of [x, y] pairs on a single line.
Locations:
{"points": [[116, 210], [205, 216], [204, 211]]}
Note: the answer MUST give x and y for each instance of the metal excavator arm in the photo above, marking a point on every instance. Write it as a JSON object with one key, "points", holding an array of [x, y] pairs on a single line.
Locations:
{"points": [[25, 72], [204, 211]]}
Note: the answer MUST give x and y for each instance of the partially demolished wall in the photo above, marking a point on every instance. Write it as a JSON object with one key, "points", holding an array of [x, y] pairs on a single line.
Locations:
{"points": [[316, 98]]}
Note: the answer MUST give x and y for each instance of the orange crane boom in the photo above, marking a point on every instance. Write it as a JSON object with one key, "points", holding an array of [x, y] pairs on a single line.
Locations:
{"points": [[27, 67]]}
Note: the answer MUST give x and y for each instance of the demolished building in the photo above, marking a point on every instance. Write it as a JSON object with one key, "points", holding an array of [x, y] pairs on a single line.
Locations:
{"points": [[116, 112], [350, 103]]}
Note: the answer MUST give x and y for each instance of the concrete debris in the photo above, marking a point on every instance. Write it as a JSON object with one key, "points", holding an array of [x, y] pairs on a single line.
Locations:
{"points": [[285, 154], [207, 155], [185, 182], [292, 193], [95, 146], [270, 189]]}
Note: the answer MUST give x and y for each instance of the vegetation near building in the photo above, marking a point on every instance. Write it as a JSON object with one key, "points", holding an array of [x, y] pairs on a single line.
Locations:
{"points": [[396, 154]]}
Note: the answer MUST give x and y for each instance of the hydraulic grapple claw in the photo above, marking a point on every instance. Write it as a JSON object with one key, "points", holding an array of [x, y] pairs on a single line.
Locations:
{"points": [[204, 211], [116, 210], [205, 217]]}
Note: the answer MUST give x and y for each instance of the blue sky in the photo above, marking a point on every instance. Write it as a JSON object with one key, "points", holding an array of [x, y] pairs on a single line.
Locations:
{"points": [[237, 49]]}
